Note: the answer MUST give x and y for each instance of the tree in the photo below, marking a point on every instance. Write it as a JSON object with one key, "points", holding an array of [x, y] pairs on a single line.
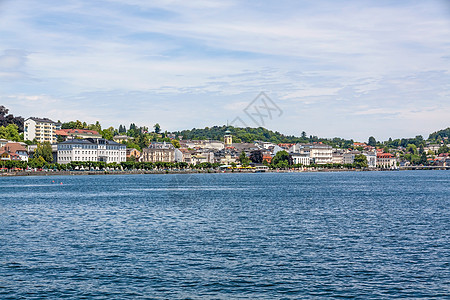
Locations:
{"points": [[122, 129], [157, 128], [256, 156], [281, 160], [372, 141], [108, 134], [78, 125], [98, 127], [176, 143], [304, 135], [423, 159], [10, 132], [245, 161], [411, 148], [360, 161], [44, 150], [6, 119], [443, 149]]}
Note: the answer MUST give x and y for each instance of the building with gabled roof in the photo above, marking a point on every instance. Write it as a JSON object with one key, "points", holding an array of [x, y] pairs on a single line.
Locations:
{"points": [[16, 151]]}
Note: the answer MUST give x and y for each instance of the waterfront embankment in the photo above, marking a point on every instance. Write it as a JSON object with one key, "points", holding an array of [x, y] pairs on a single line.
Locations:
{"points": [[195, 171]]}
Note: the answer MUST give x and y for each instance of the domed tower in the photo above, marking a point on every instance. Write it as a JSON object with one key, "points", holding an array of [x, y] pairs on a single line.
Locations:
{"points": [[228, 139]]}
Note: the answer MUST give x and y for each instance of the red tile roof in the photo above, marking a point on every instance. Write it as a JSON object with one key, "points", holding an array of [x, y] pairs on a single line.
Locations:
{"points": [[66, 132], [13, 148], [385, 155]]}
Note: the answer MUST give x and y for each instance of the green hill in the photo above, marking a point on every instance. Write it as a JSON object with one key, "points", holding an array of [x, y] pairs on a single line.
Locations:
{"points": [[438, 135], [249, 135]]}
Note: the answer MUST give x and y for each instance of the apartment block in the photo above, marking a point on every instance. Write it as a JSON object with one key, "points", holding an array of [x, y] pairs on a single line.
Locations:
{"points": [[41, 129]]}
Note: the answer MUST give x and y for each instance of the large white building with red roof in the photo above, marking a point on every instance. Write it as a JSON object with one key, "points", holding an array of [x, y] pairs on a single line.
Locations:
{"points": [[386, 161]]}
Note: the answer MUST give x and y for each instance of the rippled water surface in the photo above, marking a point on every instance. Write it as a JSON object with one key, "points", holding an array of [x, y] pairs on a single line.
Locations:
{"points": [[365, 235]]}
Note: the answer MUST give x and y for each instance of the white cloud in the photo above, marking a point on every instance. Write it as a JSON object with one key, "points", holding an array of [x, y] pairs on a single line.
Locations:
{"points": [[319, 57]]}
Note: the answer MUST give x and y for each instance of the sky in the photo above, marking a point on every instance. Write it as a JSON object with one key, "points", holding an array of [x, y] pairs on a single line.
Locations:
{"points": [[350, 69]]}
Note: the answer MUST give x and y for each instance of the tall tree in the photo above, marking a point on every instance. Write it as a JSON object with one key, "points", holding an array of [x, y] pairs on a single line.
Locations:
{"points": [[372, 141], [78, 124], [360, 161], [256, 156], [157, 128], [44, 150], [10, 132], [108, 134], [244, 159], [411, 148], [281, 160], [423, 159], [6, 119]]}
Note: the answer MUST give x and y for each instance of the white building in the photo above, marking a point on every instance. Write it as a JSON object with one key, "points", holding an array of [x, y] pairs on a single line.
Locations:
{"points": [[303, 159], [202, 157], [371, 159], [91, 150], [337, 158], [386, 161], [41, 129], [349, 157], [203, 144], [319, 153]]}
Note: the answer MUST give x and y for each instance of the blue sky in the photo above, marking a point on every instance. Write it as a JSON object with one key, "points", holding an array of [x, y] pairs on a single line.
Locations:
{"points": [[335, 68]]}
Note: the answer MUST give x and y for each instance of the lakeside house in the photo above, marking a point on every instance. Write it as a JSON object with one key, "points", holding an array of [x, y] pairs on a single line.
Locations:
{"points": [[91, 149], [349, 157], [318, 153], [386, 161], [301, 158], [13, 151], [372, 159], [158, 152]]}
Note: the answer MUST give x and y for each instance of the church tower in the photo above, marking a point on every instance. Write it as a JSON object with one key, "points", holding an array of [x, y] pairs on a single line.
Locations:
{"points": [[228, 139]]}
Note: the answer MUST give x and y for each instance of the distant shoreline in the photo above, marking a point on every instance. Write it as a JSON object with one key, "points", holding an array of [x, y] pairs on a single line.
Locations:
{"points": [[87, 173]]}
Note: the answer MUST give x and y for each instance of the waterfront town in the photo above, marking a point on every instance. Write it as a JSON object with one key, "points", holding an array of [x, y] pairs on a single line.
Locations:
{"points": [[76, 147]]}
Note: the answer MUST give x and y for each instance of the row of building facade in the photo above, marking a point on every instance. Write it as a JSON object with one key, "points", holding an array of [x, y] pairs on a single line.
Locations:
{"points": [[87, 145]]}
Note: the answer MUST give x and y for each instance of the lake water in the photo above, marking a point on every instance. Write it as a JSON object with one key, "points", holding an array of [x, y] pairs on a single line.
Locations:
{"points": [[364, 235]]}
